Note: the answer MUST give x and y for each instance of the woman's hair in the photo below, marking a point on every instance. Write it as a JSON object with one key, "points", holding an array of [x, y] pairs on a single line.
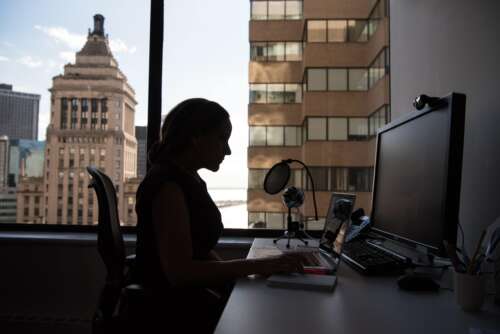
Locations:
{"points": [[187, 120]]}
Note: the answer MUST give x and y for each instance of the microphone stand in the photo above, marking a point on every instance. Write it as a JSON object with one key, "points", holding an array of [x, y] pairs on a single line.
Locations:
{"points": [[293, 230]]}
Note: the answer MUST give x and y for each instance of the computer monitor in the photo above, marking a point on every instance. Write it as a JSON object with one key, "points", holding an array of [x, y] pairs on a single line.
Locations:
{"points": [[418, 169]]}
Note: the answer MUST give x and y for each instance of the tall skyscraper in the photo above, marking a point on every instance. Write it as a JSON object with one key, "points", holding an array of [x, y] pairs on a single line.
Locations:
{"points": [[319, 90], [92, 123], [141, 134], [18, 113]]}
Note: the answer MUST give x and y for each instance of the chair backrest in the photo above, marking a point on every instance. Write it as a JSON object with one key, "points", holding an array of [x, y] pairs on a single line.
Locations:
{"points": [[109, 242]]}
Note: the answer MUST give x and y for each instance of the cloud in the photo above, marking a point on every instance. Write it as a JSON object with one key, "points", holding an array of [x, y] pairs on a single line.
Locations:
{"points": [[62, 35], [76, 41], [30, 61], [2, 58], [68, 56]]}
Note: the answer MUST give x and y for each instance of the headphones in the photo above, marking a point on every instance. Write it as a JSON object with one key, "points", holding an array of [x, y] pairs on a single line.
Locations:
{"points": [[422, 100]]}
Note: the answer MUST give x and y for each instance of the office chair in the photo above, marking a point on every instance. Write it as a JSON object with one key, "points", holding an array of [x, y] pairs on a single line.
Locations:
{"points": [[109, 316]]}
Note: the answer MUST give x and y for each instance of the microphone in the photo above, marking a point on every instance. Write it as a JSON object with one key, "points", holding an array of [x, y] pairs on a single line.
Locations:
{"points": [[278, 176]]}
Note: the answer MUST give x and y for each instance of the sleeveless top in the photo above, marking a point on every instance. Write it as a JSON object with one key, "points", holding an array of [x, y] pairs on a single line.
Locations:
{"points": [[204, 219]]}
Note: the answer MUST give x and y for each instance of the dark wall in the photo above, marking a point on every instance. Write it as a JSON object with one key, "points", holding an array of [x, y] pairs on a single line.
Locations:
{"points": [[439, 46]]}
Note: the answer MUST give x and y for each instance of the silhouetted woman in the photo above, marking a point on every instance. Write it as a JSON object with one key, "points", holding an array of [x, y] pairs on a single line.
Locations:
{"points": [[179, 224]]}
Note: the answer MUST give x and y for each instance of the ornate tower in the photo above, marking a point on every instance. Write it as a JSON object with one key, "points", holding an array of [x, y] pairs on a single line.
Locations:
{"points": [[91, 123]]}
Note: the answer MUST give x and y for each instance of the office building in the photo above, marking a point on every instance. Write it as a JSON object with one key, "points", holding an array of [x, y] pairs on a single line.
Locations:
{"points": [[319, 90], [8, 206], [141, 134], [4, 161], [26, 158], [92, 123], [18, 113]]}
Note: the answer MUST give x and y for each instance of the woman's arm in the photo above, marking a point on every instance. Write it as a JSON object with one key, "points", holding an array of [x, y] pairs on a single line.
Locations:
{"points": [[173, 238]]}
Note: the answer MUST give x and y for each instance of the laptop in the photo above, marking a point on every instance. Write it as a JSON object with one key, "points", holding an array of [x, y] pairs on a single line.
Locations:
{"points": [[327, 255]]}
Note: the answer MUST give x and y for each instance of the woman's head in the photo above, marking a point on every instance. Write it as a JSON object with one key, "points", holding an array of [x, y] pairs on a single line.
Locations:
{"points": [[195, 126]]}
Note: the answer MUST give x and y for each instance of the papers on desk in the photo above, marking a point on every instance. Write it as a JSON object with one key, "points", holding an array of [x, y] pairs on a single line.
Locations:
{"points": [[303, 281], [257, 253]]}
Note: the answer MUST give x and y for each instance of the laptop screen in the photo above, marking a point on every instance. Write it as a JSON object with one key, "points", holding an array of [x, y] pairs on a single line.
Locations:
{"points": [[337, 223]]}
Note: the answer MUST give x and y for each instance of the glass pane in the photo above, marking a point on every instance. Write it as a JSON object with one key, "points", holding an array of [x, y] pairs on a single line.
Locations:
{"points": [[339, 179], [316, 128], [275, 93], [293, 10], [258, 51], [337, 31], [293, 51], [256, 178], [258, 93], [274, 220], [257, 136], [291, 136], [257, 220], [358, 79], [358, 128], [293, 93], [337, 128], [276, 10], [337, 79], [316, 79], [275, 136], [259, 10], [320, 178], [357, 30], [316, 31], [276, 51]]}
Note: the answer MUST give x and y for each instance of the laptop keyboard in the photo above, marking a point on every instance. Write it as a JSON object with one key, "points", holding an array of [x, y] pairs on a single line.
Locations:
{"points": [[370, 260]]}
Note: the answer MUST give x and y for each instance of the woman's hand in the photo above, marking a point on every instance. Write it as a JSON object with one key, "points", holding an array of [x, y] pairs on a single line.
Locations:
{"points": [[284, 263]]}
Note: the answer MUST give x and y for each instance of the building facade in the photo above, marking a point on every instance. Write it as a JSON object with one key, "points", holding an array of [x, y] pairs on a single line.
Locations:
{"points": [[319, 90], [18, 114], [141, 134], [91, 123]]}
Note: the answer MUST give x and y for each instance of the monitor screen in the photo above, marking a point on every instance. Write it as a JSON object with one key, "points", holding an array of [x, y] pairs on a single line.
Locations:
{"points": [[417, 175]]}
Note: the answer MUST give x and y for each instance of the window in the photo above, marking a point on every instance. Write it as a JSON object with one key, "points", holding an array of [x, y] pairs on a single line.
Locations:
{"points": [[358, 79], [358, 128], [320, 178], [337, 128], [337, 31], [257, 136], [275, 93], [258, 93], [292, 136], [337, 79], [276, 10], [275, 135], [316, 128], [357, 30], [256, 178], [316, 31], [258, 51], [316, 79]]}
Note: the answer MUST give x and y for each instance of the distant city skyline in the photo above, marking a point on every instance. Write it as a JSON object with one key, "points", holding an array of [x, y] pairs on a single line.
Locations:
{"points": [[202, 57]]}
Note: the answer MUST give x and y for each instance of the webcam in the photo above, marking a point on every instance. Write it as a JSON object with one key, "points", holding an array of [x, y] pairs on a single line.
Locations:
{"points": [[422, 100]]}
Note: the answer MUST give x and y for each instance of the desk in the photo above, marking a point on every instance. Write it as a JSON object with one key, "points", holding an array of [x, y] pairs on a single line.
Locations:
{"points": [[358, 304]]}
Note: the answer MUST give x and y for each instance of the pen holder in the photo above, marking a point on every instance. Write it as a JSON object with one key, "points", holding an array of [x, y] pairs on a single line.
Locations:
{"points": [[469, 291]]}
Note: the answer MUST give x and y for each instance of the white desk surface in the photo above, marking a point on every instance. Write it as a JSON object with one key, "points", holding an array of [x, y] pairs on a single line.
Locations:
{"points": [[359, 304]]}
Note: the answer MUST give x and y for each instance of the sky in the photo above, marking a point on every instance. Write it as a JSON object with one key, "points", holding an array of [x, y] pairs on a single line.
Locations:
{"points": [[206, 55]]}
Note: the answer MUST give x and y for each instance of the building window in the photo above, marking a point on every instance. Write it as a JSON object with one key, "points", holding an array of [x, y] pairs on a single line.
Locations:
{"points": [[276, 51], [275, 135], [358, 79], [276, 10], [316, 128], [275, 93], [322, 31], [357, 30], [337, 31], [316, 79], [358, 128], [337, 79], [337, 128], [316, 31]]}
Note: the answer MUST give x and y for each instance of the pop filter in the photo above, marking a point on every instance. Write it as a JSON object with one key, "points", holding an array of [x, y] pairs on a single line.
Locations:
{"points": [[277, 178]]}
